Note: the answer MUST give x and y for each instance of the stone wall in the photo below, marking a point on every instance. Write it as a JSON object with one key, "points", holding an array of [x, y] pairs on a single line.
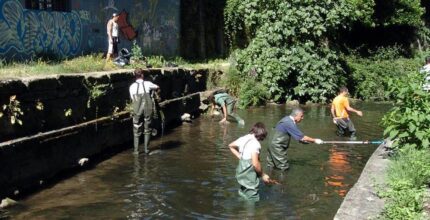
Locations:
{"points": [[69, 117]]}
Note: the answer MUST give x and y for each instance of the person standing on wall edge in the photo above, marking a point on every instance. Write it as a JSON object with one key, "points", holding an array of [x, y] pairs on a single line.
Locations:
{"points": [[113, 34], [142, 109], [284, 130], [339, 111], [227, 103]]}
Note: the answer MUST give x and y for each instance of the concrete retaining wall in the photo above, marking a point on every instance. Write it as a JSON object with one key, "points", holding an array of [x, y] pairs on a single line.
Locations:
{"points": [[362, 201], [69, 117]]}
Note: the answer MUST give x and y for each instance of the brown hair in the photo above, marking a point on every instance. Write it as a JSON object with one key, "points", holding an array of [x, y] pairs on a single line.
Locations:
{"points": [[259, 131], [343, 89], [138, 73]]}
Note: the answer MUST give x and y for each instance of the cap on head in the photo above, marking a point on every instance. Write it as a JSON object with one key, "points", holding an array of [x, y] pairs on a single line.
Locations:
{"points": [[114, 14]]}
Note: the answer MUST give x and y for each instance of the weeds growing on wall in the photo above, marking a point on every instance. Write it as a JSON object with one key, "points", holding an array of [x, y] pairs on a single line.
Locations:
{"points": [[12, 110]]}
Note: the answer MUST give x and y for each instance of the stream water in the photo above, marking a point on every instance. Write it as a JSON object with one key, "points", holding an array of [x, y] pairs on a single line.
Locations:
{"points": [[191, 174]]}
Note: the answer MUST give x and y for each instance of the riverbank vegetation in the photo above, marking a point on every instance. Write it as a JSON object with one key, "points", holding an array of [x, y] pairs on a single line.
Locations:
{"points": [[304, 50], [408, 124]]}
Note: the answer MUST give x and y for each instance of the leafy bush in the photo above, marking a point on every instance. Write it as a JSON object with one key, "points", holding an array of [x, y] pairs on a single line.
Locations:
{"points": [[290, 49], [408, 122], [252, 93], [136, 52], [370, 76]]}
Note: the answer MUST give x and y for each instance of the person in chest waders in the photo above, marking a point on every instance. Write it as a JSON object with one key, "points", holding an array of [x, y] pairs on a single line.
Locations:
{"points": [[284, 131], [247, 150], [143, 106], [227, 103], [339, 111]]}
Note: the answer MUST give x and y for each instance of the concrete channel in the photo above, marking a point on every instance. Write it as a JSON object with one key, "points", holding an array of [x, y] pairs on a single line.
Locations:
{"points": [[69, 118]]}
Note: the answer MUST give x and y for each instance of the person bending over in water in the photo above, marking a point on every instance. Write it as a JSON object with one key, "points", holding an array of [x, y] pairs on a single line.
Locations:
{"points": [[226, 102], [247, 150]]}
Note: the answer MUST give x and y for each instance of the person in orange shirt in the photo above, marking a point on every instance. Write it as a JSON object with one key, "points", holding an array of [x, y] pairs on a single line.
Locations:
{"points": [[339, 111]]}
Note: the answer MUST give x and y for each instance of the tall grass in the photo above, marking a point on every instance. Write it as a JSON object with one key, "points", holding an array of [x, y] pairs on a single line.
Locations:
{"points": [[88, 63], [92, 63]]}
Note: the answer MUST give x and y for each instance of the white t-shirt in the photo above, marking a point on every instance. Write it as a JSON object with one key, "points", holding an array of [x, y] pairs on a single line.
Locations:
{"points": [[425, 69], [247, 144], [148, 86], [115, 29]]}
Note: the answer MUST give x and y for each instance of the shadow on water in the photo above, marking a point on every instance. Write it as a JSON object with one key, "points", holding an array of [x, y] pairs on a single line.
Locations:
{"points": [[192, 176]]}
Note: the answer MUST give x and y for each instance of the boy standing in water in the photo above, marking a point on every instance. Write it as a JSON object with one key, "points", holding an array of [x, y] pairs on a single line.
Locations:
{"points": [[142, 109], [226, 102], [247, 150], [339, 111]]}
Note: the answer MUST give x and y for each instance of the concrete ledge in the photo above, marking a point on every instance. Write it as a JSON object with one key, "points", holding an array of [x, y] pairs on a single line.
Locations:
{"points": [[362, 201]]}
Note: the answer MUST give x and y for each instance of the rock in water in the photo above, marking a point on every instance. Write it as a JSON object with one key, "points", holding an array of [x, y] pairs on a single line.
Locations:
{"points": [[186, 117], [7, 202], [83, 161]]}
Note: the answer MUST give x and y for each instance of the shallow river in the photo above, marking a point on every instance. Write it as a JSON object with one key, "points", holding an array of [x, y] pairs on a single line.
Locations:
{"points": [[191, 175]]}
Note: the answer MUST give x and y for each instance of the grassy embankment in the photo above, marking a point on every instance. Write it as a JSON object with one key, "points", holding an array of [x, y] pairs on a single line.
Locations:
{"points": [[92, 63]]}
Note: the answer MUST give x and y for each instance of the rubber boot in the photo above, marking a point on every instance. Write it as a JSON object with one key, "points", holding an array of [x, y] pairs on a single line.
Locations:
{"points": [[146, 142], [136, 145]]}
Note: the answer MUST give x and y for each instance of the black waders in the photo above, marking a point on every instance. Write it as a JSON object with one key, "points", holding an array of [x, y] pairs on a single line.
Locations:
{"points": [[345, 125]]}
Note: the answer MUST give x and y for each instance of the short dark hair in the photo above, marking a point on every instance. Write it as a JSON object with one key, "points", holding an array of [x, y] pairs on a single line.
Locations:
{"points": [[138, 73], [343, 89], [259, 131], [428, 59]]}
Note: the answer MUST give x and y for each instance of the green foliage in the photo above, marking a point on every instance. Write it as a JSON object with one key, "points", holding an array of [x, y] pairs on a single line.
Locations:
{"points": [[232, 81], [407, 178], [12, 110], [88, 63], [371, 75], [409, 120], [136, 52], [289, 49], [95, 91], [156, 61], [399, 12], [252, 93]]}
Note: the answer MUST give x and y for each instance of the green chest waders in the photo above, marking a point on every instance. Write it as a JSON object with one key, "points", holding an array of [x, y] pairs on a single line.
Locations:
{"points": [[248, 179], [277, 157], [142, 115], [229, 103]]}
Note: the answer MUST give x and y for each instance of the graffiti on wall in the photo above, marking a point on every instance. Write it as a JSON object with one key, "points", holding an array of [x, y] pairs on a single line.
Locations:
{"points": [[32, 32], [157, 23]]}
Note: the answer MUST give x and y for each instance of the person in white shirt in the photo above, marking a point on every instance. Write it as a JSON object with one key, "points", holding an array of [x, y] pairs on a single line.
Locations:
{"points": [[143, 107], [426, 71], [247, 149], [113, 34], [426, 68]]}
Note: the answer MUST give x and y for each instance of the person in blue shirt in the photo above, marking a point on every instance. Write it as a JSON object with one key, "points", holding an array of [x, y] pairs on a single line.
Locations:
{"points": [[284, 131], [227, 103]]}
